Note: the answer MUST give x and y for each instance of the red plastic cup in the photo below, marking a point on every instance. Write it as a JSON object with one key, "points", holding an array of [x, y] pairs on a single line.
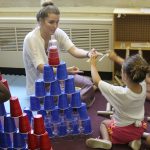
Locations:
{"points": [[53, 57], [45, 143], [4, 81], [39, 127], [33, 141], [15, 108], [53, 54], [24, 124], [54, 61]]}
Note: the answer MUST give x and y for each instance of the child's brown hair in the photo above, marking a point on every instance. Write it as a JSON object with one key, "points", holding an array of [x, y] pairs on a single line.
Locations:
{"points": [[136, 68]]}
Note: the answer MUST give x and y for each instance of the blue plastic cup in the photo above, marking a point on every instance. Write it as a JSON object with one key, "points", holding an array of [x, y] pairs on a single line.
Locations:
{"points": [[62, 71], [18, 140], [42, 112], [49, 127], [76, 100], [1, 126], [62, 129], [34, 103], [83, 114], [86, 126], [48, 74], [2, 109], [47, 121], [55, 115], [50, 131], [9, 124], [49, 103], [63, 101], [75, 127], [5, 140], [40, 88], [68, 114], [70, 85], [29, 113], [55, 88]]}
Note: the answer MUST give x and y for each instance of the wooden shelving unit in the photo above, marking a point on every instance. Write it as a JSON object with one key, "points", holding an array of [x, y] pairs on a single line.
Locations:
{"points": [[131, 33]]}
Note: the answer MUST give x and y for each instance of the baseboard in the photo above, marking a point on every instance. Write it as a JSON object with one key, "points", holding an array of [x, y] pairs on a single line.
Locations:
{"points": [[21, 71], [12, 71]]}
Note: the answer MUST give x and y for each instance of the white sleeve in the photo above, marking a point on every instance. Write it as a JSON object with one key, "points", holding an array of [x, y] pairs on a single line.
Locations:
{"points": [[63, 40], [112, 93], [33, 48]]}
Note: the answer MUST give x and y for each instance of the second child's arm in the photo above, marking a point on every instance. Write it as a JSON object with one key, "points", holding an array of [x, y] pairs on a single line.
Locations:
{"points": [[114, 57], [94, 73]]}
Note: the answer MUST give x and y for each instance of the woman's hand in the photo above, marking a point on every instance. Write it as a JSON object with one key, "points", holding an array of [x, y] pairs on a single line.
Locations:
{"points": [[73, 70], [94, 53]]}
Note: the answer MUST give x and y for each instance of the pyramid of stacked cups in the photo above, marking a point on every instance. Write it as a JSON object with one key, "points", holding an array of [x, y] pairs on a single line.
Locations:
{"points": [[63, 112], [15, 128]]}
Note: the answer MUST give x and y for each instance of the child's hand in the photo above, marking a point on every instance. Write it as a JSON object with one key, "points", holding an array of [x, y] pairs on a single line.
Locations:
{"points": [[73, 70], [93, 60]]}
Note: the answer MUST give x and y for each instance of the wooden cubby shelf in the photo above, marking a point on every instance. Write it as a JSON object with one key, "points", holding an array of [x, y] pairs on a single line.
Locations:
{"points": [[131, 33]]}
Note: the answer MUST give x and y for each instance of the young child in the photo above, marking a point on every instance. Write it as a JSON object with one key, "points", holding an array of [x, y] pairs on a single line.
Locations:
{"points": [[4, 93], [127, 124]]}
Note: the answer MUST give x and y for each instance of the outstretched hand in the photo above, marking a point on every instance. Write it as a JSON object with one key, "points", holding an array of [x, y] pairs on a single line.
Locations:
{"points": [[93, 60], [93, 52], [114, 57]]}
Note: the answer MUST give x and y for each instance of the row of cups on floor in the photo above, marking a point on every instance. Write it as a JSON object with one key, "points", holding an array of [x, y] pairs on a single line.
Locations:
{"points": [[19, 136], [58, 125], [10, 122], [62, 101], [68, 127], [25, 141], [64, 118], [56, 113]]}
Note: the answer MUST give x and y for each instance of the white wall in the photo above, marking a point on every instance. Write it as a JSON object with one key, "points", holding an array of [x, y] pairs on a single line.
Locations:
{"points": [[78, 3], [81, 9]]}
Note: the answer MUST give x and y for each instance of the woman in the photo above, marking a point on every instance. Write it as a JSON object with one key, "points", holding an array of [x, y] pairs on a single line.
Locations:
{"points": [[127, 124], [35, 51]]}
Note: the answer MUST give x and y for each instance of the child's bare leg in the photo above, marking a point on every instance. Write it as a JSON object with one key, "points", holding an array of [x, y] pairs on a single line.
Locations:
{"points": [[105, 142], [103, 130]]}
